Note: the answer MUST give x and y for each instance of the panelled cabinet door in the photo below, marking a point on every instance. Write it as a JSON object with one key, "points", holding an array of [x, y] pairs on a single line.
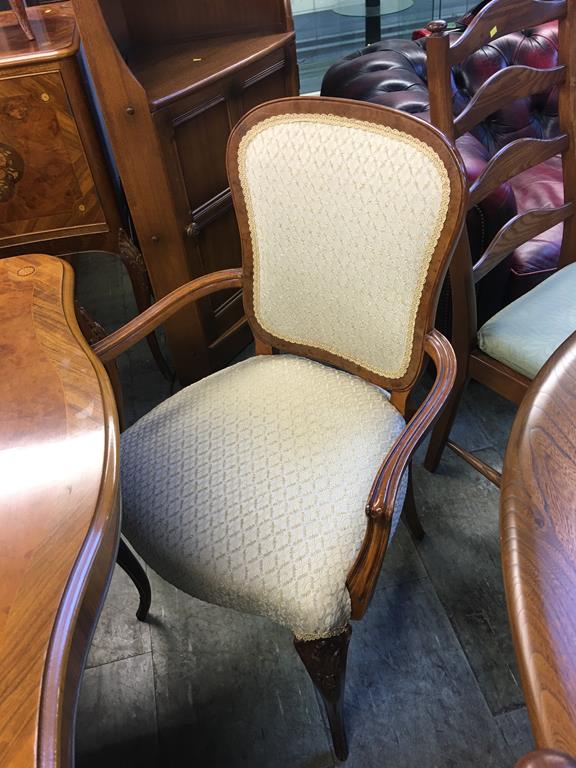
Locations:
{"points": [[266, 85], [46, 186], [200, 125]]}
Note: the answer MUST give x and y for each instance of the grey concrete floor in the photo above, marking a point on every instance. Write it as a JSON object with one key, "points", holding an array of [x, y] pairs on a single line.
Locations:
{"points": [[431, 680]]}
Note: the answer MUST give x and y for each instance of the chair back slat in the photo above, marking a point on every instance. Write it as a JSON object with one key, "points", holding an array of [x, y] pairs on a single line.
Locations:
{"points": [[503, 87], [519, 230], [502, 17], [512, 159]]}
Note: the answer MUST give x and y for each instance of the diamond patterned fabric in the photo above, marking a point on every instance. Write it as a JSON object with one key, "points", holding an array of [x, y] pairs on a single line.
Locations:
{"points": [[344, 218], [248, 488]]}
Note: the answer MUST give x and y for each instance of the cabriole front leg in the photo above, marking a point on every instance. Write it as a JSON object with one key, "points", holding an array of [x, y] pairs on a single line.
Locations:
{"points": [[325, 660]]}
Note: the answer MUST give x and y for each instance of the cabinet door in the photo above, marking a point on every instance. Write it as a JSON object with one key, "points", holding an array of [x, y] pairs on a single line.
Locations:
{"points": [[46, 186], [200, 127], [271, 82]]}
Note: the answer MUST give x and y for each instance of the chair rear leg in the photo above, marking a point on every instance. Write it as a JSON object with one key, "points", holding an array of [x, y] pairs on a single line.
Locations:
{"points": [[441, 431], [410, 512], [129, 563], [136, 268], [325, 660]]}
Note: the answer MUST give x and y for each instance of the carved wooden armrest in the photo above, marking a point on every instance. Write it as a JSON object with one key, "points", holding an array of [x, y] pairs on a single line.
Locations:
{"points": [[385, 487], [546, 758], [138, 328], [381, 502]]}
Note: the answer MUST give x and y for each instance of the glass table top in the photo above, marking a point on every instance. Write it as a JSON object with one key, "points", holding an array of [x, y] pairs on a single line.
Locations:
{"points": [[370, 8]]}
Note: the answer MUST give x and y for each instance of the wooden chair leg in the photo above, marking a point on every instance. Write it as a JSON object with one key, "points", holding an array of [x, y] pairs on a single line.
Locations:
{"points": [[410, 512], [138, 274], [129, 563], [325, 660], [441, 431], [94, 332]]}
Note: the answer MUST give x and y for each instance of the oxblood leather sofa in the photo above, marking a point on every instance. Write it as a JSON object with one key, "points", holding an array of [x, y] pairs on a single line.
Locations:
{"points": [[393, 73]]}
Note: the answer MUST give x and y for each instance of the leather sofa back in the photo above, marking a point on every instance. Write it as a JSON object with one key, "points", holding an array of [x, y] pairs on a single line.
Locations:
{"points": [[531, 117], [394, 73]]}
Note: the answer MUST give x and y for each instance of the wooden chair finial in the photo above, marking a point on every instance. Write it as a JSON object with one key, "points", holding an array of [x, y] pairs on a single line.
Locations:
{"points": [[437, 27]]}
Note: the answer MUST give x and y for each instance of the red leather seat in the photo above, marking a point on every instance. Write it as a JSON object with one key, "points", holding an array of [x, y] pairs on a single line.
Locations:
{"points": [[393, 73]]}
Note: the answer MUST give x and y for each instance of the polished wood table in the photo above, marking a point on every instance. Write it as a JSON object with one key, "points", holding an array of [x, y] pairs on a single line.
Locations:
{"points": [[59, 508], [538, 539]]}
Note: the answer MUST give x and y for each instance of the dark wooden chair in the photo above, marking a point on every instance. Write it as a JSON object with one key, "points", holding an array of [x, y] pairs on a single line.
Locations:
{"points": [[507, 351], [537, 532], [274, 486]]}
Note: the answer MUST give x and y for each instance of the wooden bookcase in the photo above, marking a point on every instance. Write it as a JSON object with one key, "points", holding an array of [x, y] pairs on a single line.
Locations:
{"points": [[172, 77]]}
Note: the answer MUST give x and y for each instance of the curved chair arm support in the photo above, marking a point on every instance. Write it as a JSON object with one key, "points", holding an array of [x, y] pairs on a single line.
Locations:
{"points": [[385, 487], [138, 328], [546, 758], [364, 574]]}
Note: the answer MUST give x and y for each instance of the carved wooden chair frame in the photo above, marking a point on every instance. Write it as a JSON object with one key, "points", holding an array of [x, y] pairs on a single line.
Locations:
{"points": [[427, 342], [498, 18]]}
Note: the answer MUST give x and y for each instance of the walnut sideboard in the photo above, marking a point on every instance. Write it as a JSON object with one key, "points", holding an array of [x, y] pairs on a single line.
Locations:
{"points": [[55, 187]]}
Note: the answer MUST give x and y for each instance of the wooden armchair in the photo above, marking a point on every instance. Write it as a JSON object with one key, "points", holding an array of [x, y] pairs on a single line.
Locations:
{"points": [[274, 486], [508, 351]]}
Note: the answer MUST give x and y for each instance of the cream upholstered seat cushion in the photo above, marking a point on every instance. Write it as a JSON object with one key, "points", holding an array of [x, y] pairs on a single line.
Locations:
{"points": [[524, 334], [248, 488]]}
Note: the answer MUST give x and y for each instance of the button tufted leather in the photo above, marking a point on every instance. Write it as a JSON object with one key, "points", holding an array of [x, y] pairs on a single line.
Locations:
{"points": [[394, 73]]}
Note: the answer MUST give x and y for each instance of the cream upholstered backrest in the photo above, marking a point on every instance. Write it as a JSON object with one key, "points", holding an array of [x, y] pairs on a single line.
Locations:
{"points": [[344, 217]]}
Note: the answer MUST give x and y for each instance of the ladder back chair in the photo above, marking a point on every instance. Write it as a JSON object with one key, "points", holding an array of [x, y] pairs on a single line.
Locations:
{"points": [[273, 487], [508, 351]]}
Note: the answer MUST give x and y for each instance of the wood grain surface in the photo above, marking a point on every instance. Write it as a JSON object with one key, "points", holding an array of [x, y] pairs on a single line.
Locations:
{"points": [[538, 538], [48, 187], [169, 72], [59, 509]]}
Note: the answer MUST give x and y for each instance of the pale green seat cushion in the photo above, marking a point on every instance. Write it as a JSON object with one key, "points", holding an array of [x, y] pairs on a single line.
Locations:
{"points": [[527, 332], [248, 489]]}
